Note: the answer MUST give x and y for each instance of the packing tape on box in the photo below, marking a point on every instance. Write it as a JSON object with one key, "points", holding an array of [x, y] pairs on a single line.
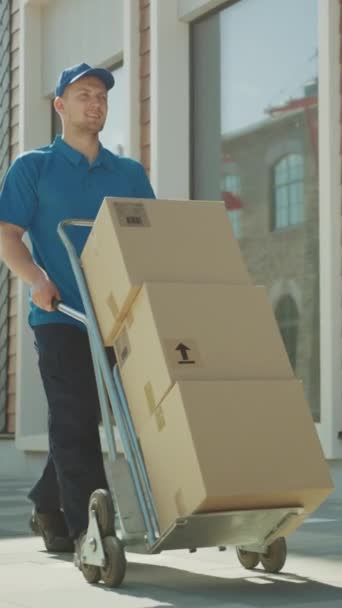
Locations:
{"points": [[149, 394], [160, 419], [129, 319], [180, 502], [112, 305], [134, 302]]}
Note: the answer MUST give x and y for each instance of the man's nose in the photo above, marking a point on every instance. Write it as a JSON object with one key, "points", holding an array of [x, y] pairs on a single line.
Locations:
{"points": [[95, 102]]}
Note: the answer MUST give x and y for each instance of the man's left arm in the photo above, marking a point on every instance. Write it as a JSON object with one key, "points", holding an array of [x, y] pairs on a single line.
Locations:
{"points": [[142, 186]]}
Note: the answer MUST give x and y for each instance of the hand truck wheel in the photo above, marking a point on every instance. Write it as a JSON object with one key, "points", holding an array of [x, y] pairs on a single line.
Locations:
{"points": [[247, 559], [101, 502], [92, 574], [275, 557], [114, 571]]}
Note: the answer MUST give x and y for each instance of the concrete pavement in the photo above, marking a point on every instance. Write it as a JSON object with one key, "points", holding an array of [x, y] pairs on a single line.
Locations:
{"points": [[30, 578]]}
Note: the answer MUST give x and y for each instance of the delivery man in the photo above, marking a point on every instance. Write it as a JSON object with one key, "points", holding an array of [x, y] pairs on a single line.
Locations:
{"points": [[66, 179]]}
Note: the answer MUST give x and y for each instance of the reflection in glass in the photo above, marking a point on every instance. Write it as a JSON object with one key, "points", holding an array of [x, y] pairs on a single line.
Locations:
{"points": [[288, 176], [230, 192], [255, 145], [287, 316]]}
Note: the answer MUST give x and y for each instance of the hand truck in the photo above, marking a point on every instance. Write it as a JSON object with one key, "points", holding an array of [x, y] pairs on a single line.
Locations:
{"points": [[125, 519]]}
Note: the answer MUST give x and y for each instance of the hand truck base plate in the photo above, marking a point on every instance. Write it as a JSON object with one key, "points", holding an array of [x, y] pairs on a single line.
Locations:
{"points": [[253, 528]]}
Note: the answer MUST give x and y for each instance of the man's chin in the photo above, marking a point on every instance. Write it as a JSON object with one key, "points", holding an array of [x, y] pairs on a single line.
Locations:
{"points": [[92, 129]]}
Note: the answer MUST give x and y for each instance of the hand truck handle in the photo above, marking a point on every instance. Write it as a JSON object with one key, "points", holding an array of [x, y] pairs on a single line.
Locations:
{"points": [[55, 303], [70, 312]]}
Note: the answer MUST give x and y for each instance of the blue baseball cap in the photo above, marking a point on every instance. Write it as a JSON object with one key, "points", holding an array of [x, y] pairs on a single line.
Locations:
{"points": [[70, 75]]}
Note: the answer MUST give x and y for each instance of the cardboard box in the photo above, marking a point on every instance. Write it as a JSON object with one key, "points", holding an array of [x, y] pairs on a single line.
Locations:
{"points": [[180, 331], [135, 240], [220, 446]]}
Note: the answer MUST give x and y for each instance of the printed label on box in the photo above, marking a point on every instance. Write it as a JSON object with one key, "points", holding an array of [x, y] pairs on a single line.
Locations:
{"points": [[123, 347], [132, 215]]}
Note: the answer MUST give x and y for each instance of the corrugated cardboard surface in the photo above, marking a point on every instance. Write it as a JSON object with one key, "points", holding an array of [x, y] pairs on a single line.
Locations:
{"points": [[234, 445], [193, 332], [136, 240]]}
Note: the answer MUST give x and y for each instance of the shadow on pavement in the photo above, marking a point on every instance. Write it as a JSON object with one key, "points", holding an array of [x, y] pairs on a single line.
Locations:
{"points": [[15, 508], [169, 585]]}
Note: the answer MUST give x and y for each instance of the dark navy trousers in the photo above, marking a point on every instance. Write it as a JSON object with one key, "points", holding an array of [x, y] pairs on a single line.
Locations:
{"points": [[74, 467]]}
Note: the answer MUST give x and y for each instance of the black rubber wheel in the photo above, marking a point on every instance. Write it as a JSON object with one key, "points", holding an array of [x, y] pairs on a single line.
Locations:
{"points": [[101, 502], [273, 561], [92, 574], [247, 559], [115, 569]]}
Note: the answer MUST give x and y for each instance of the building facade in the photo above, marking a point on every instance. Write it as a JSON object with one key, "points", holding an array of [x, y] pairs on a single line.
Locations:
{"points": [[218, 102], [9, 149]]}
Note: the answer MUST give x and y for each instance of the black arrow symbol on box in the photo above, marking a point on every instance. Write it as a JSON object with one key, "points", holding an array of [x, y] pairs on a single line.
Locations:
{"points": [[183, 349]]}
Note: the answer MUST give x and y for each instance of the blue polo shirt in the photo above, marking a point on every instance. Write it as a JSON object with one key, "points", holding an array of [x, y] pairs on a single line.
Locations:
{"points": [[54, 183]]}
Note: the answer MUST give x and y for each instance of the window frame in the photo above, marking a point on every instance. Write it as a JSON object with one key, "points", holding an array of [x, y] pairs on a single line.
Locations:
{"points": [[289, 225]]}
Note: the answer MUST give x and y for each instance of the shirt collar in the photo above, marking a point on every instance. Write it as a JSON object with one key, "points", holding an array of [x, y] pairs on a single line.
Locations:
{"points": [[103, 158], [76, 157], [72, 155]]}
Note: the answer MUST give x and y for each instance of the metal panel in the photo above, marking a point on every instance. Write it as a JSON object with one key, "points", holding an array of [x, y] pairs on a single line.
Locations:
{"points": [[255, 528], [4, 164]]}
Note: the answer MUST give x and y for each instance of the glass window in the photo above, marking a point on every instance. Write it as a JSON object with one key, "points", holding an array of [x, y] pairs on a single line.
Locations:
{"points": [[230, 193], [232, 184], [254, 111], [287, 316], [235, 220], [288, 192]]}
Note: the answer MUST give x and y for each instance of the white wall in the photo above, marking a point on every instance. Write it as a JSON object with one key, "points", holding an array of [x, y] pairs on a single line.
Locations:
{"points": [[170, 155], [75, 31], [35, 117], [330, 227], [54, 34], [34, 130], [192, 9]]}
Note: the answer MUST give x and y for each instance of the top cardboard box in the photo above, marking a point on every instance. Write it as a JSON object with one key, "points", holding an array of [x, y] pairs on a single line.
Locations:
{"points": [[137, 240]]}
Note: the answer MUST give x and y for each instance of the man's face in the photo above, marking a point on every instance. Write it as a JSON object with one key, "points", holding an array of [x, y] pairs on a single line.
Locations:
{"points": [[83, 106]]}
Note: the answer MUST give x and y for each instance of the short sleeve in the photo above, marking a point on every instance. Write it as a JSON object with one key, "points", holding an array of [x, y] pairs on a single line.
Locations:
{"points": [[18, 197], [142, 187]]}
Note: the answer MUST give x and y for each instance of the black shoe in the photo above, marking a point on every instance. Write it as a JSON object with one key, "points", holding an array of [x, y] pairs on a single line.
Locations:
{"points": [[78, 549], [53, 529], [33, 523]]}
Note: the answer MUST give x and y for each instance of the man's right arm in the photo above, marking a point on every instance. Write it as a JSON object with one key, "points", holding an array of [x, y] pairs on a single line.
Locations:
{"points": [[18, 258]]}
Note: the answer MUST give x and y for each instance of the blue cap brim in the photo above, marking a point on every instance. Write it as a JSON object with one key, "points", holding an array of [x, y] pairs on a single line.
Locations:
{"points": [[105, 75]]}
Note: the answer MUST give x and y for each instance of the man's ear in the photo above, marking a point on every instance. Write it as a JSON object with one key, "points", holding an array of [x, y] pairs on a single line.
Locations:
{"points": [[58, 104]]}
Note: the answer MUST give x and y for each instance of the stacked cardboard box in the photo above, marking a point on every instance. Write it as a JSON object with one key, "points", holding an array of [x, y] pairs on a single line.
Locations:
{"points": [[149, 240], [222, 422], [231, 445], [196, 331]]}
